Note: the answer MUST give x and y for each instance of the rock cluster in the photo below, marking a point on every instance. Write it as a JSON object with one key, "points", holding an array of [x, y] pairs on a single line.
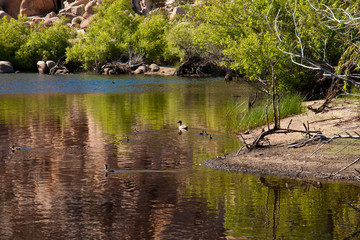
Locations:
{"points": [[50, 67], [6, 67], [146, 68], [78, 12]]}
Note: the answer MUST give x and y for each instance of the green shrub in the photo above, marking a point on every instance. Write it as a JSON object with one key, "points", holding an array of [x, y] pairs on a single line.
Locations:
{"points": [[13, 34], [43, 44], [151, 36], [111, 34]]}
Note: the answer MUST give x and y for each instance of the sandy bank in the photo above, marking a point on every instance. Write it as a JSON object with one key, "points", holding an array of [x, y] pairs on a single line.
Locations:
{"points": [[279, 159]]}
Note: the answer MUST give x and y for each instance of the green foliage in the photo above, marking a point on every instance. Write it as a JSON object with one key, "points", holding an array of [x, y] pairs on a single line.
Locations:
{"points": [[44, 44], [111, 34], [13, 34], [151, 36], [24, 45], [179, 39], [117, 32]]}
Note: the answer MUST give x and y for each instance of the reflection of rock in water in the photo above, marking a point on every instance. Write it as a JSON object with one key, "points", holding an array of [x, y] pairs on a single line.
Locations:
{"points": [[107, 207]]}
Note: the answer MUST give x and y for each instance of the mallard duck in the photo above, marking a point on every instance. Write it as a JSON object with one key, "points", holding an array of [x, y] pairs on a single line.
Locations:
{"points": [[13, 148], [204, 133], [210, 137], [181, 126], [107, 170]]}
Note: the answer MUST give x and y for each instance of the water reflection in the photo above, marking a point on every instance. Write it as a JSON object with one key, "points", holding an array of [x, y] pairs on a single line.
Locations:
{"points": [[54, 187]]}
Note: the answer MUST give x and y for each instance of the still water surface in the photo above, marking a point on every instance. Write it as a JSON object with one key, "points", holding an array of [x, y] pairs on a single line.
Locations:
{"points": [[68, 127]]}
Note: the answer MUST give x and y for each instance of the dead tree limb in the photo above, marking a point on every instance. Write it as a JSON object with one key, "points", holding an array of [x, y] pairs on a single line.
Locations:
{"points": [[263, 134], [338, 136], [344, 168], [314, 138], [288, 126]]}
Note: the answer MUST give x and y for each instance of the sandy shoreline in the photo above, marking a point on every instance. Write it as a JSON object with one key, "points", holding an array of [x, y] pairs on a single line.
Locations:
{"points": [[280, 160]]}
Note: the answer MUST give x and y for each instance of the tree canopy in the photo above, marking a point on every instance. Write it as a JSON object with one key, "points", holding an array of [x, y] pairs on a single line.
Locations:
{"points": [[261, 40]]}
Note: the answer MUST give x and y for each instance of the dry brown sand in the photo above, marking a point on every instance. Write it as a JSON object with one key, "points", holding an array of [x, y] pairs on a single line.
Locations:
{"points": [[305, 162]]}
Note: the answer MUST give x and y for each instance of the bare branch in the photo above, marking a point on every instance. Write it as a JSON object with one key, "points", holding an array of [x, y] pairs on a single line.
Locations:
{"points": [[344, 168], [338, 136]]}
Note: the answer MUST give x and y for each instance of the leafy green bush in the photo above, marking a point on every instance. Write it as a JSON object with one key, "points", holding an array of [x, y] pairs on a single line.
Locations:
{"points": [[151, 36], [43, 44], [13, 34], [111, 34]]}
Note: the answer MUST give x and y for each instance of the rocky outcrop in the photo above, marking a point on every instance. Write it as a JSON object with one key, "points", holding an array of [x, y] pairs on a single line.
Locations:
{"points": [[140, 70], [50, 67], [154, 68], [42, 68], [6, 67], [58, 70], [78, 12], [145, 68], [4, 14], [11, 7], [39, 7], [49, 11], [177, 12]]}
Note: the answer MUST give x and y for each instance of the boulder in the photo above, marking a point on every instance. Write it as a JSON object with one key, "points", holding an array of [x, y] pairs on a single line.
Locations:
{"points": [[79, 2], [11, 7], [50, 64], [59, 70], [50, 21], [89, 9], [77, 10], [4, 14], [77, 21], [154, 68], [39, 7], [178, 11], [109, 71], [42, 67], [140, 70], [36, 19], [50, 15], [69, 15], [6, 67], [86, 22]]}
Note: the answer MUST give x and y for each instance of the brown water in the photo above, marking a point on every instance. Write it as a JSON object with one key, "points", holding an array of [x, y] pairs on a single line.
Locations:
{"points": [[68, 127]]}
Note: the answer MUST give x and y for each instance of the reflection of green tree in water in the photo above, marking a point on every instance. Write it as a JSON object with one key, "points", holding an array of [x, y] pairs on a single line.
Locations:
{"points": [[270, 208]]}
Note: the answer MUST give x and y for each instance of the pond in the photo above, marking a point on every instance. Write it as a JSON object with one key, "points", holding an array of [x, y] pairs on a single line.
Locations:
{"points": [[65, 128]]}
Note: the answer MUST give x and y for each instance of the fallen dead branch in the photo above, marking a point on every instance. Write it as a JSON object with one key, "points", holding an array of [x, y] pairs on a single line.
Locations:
{"points": [[318, 136], [314, 138], [259, 140], [338, 135], [344, 168]]}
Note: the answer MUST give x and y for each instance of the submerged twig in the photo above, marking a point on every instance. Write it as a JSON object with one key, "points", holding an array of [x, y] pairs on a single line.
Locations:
{"points": [[352, 206]]}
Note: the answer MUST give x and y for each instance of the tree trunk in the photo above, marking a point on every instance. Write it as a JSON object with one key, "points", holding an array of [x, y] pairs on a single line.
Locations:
{"points": [[274, 99]]}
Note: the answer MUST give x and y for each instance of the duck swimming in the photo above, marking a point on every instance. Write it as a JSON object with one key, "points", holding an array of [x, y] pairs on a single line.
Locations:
{"points": [[13, 148], [204, 133], [181, 126], [107, 170]]}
